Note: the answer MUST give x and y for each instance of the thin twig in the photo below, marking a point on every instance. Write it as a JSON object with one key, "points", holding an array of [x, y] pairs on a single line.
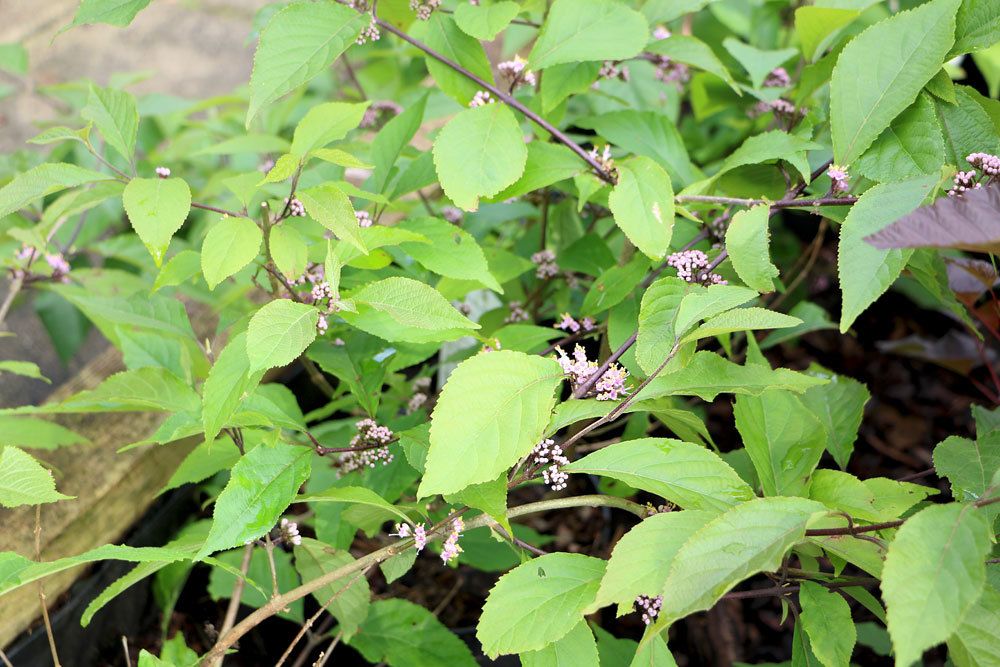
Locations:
{"points": [[807, 202], [312, 619], [232, 214], [234, 600], [269, 549], [41, 589], [325, 655], [128, 658], [4, 659]]}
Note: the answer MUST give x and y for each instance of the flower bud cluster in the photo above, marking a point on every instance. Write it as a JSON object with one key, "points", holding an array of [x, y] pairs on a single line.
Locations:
{"points": [[545, 261], [782, 109], [379, 113], [603, 158], [567, 323], [516, 72], [839, 179], [609, 387], [370, 33], [481, 99], [548, 454], [671, 71], [689, 265], [452, 214], [612, 70], [418, 533], [778, 78], [660, 32], [163, 172], [295, 207], [650, 607], [288, 532], [970, 180], [373, 443], [424, 8], [364, 218], [451, 549], [517, 313]]}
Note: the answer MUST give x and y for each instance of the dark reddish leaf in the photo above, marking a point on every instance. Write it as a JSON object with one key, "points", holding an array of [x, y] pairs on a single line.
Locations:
{"points": [[956, 351], [969, 278], [967, 222]]}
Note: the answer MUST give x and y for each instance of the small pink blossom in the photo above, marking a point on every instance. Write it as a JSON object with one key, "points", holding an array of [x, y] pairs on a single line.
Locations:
{"points": [[163, 172], [289, 532], [375, 439], [548, 454], [481, 99], [650, 607], [364, 218], [567, 323], [545, 261], [660, 32], [517, 313], [295, 207], [611, 385], [839, 179], [451, 549], [516, 72], [322, 325], [419, 537], [778, 78]]}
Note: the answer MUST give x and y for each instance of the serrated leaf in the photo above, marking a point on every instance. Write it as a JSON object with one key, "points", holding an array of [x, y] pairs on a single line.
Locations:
{"points": [[974, 643], [769, 147], [279, 332], [231, 244], [749, 538], [968, 464], [692, 51], [26, 369], [356, 495], [741, 319], [299, 42], [330, 207], [32, 433], [442, 35], [448, 251], [23, 480], [643, 205], [484, 22], [178, 269], [262, 485], [646, 133], [687, 475], [866, 272], [479, 153], [403, 309], [977, 26], [501, 402], [391, 140], [816, 26], [641, 560], [576, 648], [348, 598], [289, 251], [867, 90], [44, 180], [757, 62], [748, 242], [403, 634], [582, 30], [839, 405], [113, 12], [547, 164], [655, 336], [229, 382], [115, 114], [324, 124], [967, 127], [934, 573], [911, 146], [826, 618], [157, 208], [556, 587]]}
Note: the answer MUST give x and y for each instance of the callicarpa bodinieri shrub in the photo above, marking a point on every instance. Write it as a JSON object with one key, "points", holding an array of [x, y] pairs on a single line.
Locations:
{"points": [[518, 249]]}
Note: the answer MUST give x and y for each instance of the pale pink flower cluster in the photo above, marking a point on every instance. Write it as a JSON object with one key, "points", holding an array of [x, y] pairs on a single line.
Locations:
{"points": [[364, 218], [418, 533], [295, 207], [59, 266], [452, 214], [266, 166], [545, 263], [839, 179], [163, 172], [650, 607], [689, 265], [424, 8], [970, 180], [567, 323], [26, 252], [781, 108], [451, 549], [671, 71], [378, 113], [288, 532], [660, 32], [612, 70], [516, 72], [603, 157], [420, 387], [990, 164], [547, 453], [609, 387], [376, 439], [322, 325], [369, 33], [481, 99], [313, 274], [778, 78], [517, 313]]}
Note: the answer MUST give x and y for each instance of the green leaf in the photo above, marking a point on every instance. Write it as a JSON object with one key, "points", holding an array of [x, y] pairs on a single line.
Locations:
{"points": [[613, 285], [741, 319], [348, 598], [748, 241], [157, 208], [575, 649], [641, 560], [229, 382], [654, 653], [23, 480], [484, 22], [704, 304], [839, 405], [115, 114], [707, 375], [448, 251], [867, 91], [356, 495], [289, 251], [841, 491], [585, 30], [279, 332], [403, 309], [330, 207], [687, 475], [977, 26], [442, 35], [230, 245], [252, 142], [911, 146], [37, 434], [26, 369], [966, 128], [749, 538], [813, 317], [783, 438], [974, 643], [556, 587], [14, 58], [391, 140], [43, 180], [479, 153], [934, 573], [262, 485], [299, 42], [403, 634], [692, 51], [561, 81], [113, 12], [826, 618], [969, 465], [501, 402], [324, 124], [139, 390], [757, 62], [817, 26], [655, 336], [643, 205], [769, 147], [865, 271], [646, 133], [547, 164], [179, 269]]}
